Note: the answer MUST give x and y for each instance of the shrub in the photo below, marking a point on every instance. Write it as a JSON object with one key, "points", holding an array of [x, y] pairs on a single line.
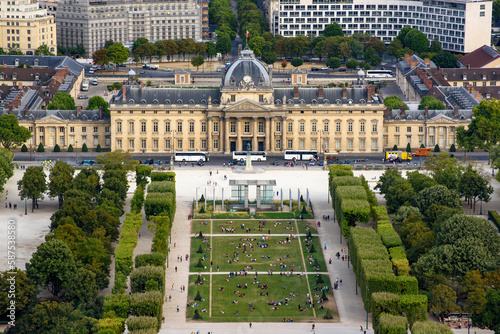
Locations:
{"points": [[117, 85], [425, 327], [202, 198], [163, 176], [320, 279], [495, 217], [147, 304], [152, 259], [162, 187], [328, 314], [137, 200], [312, 249], [118, 303], [389, 236], [453, 148], [391, 324], [324, 296], [415, 307], [380, 213], [202, 209], [117, 325], [128, 240], [110, 87], [162, 221], [151, 285], [384, 302], [24, 148], [157, 203], [198, 296], [196, 315], [436, 148], [199, 264], [70, 148], [85, 148], [160, 242], [98, 148], [395, 148], [422, 146], [137, 323], [57, 148], [40, 148], [142, 172]]}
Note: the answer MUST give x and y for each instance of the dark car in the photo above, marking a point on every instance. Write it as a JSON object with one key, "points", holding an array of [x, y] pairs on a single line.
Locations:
{"points": [[320, 163], [314, 69], [122, 65], [232, 162], [200, 162], [148, 162], [83, 97], [342, 69], [276, 163], [241, 163], [330, 162], [86, 163]]}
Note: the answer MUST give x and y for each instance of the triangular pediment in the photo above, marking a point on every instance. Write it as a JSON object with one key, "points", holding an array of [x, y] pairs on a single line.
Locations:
{"points": [[246, 105], [441, 119], [50, 119]]}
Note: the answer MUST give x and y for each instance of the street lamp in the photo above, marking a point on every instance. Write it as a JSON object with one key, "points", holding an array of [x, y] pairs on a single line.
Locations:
{"points": [[76, 151], [25, 204], [367, 290]]}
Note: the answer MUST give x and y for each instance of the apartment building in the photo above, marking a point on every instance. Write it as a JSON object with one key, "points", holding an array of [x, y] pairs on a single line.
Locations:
{"points": [[24, 26], [92, 23], [460, 25]]}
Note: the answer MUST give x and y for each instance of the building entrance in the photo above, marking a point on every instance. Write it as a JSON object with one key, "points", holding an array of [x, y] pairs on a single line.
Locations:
{"points": [[246, 144]]}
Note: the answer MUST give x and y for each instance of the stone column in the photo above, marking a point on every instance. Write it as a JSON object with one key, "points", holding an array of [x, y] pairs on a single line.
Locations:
{"points": [[255, 131], [272, 124], [258, 197], [209, 133], [246, 195], [267, 130], [226, 134], [283, 131], [445, 136], [238, 139]]}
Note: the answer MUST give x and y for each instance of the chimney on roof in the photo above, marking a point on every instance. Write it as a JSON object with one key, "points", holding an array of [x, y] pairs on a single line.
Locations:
{"points": [[26, 109], [320, 92], [142, 84], [344, 92], [370, 92], [387, 111], [295, 92], [25, 65], [402, 109], [19, 85], [455, 111], [270, 71], [468, 66], [101, 109], [78, 110], [124, 93], [427, 62], [9, 107], [25, 89], [478, 96], [407, 58], [426, 113]]}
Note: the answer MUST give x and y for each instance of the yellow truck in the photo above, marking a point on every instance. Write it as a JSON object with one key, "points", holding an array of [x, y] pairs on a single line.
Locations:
{"points": [[397, 156]]}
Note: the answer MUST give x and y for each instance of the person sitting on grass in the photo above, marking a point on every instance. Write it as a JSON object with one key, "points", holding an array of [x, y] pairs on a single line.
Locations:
{"points": [[236, 313], [235, 302], [221, 288]]}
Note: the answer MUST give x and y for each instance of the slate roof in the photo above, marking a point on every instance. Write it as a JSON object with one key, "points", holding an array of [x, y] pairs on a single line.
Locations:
{"points": [[138, 95], [479, 57], [432, 114], [52, 62], [454, 96], [330, 95], [442, 76], [26, 74], [247, 64]]}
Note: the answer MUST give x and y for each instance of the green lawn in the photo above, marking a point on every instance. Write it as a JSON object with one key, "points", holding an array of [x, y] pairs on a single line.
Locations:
{"points": [[306, 226], [204, 290], [316, 290], [195, 256], [318, 255], [277, 226], [202, 225], [277, 251]]}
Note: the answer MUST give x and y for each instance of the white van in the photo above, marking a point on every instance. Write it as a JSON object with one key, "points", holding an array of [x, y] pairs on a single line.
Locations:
{"points": [[94, 81]]}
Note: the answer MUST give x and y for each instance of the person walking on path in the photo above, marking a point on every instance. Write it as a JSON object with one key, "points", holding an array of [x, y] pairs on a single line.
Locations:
{"points": [[250, 324], [361, 328], [325, 245], [312, 329], [175, 269]]}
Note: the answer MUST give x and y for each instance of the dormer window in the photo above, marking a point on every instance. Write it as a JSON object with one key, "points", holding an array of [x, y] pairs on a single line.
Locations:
{"points": [[2, 76], [445, 76], [14, 76], [484, 76], [37, 76], [464, 76], [488, 96], [35, 62], [16, 62]]}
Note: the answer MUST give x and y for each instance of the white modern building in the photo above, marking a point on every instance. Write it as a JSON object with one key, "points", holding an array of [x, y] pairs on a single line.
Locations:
{"points": [[460, 25], [92, 23]]}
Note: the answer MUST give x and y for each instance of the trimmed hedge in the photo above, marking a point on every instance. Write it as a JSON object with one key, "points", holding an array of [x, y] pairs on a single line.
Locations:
{"points": [[389, 236], [119, 304], [142, 172], [125, 249], [137, 200], [157, 203], [495, 217], [116, 325], [379, 213], [425, 327], [137, 323], [384, 302], [163, 176], [352, 211], [144, 331], [140, 276], [414, 306], [152, 259], [149, 304], [391, 324], [162, 187]]}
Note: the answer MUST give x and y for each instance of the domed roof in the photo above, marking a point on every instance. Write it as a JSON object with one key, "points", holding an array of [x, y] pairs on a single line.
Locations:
{"points": [[249, 67], [361, 73], [131, 73]]}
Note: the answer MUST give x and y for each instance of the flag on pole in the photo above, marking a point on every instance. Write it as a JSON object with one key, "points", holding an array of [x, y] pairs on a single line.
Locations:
{"points": [[248, 34]]}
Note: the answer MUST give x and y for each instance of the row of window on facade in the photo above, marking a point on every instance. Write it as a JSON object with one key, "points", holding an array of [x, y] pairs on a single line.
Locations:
{"points": [[61, 129], [441, 140], [246, 127], [72, 141]]}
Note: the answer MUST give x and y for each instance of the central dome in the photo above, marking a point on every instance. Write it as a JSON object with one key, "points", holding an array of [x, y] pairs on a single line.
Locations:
{"points": [[249, 70]]}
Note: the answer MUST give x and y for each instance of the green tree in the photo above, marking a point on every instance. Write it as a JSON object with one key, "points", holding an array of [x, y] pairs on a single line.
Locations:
{"points": [[11, 133], [351, 64], [40, 148], [117, 158], [474, 186], [431, 103], [398, 194], [333, 29], [420, 181], [108, 43], [417, 41], [387, 180], [97, 101], [344, 51], [88, 181], [364, 65], [377, 44], [224, 44], [444, 299], [439, 195], [101, 57], [93, 255], [408, 148], [474, 288], [57, 148], [445, 59], [490, 316], [43, 50], [396, 48], [394, 102], [296, 62], [138, 42], [211, 49], [333, 62], [25, 291], [117, 53], [356, 48], [484, 128], [82, 289], [444, 169], [257, 44], [85, 148], [269, 57], [417, 237], [435, 46], [371, 57], [197, 61], [60, 178], [62, 101], [33, 184], [402, 35], [51, 266]]}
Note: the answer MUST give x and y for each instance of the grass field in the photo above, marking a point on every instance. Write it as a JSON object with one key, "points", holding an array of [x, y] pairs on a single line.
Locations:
{"points": [[280, 226], [309, 257], [204, 290], [195, 256]]}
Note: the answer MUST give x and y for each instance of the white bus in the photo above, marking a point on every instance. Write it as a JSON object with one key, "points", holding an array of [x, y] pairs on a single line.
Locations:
{"points": [[191, 156], [300, 155], [254, 155], [379, 74]]}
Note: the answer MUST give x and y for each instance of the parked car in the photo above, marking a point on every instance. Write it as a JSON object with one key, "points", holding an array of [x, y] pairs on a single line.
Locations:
{"points": [[200, 162], [168, 70], [122, 65], [314, 69], [232, 162], [241, 163], [148, 162], [86, 163], [83, 97], [342, 69], [320, 163], [324, 68]]}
